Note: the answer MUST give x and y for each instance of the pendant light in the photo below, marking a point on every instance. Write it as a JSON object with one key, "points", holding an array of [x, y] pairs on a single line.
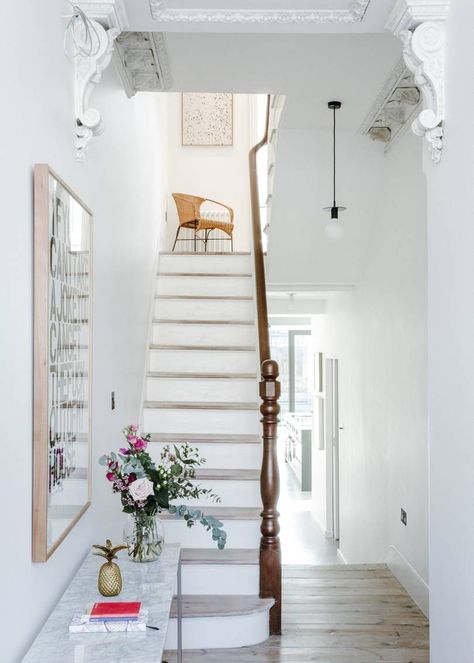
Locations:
{"points": [[334, 228]]}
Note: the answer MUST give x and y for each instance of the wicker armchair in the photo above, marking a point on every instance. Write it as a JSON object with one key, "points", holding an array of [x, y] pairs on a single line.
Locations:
{"points": [[192, 217]]}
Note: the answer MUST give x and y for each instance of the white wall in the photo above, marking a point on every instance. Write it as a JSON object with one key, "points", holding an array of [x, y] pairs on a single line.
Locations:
{"points": [[451, 356], [378, 333], [220, 173], [298, 251], [121, 182]]}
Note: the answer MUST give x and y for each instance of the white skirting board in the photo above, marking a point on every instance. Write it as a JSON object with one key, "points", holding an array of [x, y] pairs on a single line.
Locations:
{"points": [[409, 578]]}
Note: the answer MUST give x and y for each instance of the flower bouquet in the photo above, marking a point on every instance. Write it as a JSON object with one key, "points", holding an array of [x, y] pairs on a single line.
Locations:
{"points": [[147, 488]]}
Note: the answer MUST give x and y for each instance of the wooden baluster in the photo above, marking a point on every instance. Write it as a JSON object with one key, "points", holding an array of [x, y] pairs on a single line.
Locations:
{"points": [[270, 554]]}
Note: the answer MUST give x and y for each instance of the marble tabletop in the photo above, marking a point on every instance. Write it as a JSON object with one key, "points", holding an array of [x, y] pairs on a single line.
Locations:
{"points": [[152, 583]]}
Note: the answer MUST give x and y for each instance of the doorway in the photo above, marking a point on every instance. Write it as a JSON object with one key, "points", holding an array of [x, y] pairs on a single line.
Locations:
{"points": [[302, 539]]}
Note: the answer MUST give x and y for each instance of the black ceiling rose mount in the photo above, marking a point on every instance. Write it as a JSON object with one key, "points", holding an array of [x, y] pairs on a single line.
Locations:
{"points": [[333, 229]]}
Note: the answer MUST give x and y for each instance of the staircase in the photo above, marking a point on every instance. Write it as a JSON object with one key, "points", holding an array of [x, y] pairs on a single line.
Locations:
{"points": [[202, 388]]}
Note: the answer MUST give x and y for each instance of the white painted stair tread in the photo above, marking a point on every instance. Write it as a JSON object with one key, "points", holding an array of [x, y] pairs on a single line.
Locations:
{"points": [[167, 321], [223, 513], [238, 556], [204, 605], [204, 438], [202, 376], [208, 474], [208, 274], [165, 405], [205, 348], [238, 298], [197, 254]]}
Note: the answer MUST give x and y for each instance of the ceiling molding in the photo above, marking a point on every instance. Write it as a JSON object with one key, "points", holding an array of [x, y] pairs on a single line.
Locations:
{"points": [[142, 61], [109, 13], [354, 13], [421, 26], [393, 108], [407, 14]]}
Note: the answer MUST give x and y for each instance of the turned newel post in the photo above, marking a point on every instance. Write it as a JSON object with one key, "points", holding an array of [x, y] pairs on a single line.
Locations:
{"points": [[270, 555]]}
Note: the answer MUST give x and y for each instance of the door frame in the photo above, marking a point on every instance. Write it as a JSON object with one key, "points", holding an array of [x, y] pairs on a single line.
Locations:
{"points": [[332, 430]]}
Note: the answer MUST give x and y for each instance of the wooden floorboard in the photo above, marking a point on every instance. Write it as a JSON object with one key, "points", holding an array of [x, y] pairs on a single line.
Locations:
{"points": [[347, 614]]}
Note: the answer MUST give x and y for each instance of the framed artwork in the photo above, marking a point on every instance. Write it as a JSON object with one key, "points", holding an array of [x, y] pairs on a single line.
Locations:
{"points": [[207, 119], [62, 361]]}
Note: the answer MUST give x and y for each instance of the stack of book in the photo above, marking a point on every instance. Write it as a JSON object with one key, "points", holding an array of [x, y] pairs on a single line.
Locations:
{"points": [[108, 616]]}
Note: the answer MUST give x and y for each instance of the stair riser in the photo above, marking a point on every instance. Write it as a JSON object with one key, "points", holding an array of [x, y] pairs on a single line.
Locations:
{"points": [[195, 309], [212, 391], [201, 421], [220, 579], [217, 632], [227, 264], [226, 456], [240, 534], [236, 286], [205, 334], [232, 493], [203, 361]]}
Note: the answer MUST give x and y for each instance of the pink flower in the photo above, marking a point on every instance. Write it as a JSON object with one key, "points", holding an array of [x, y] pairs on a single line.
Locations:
{"points": [[140, 444], [133, 427], [132, 477], [124, 451], [140, 489], [131, 438], [110, 476]]}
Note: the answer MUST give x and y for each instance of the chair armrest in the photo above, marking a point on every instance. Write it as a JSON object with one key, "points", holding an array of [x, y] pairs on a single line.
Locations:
{"points": [[216, 202]]}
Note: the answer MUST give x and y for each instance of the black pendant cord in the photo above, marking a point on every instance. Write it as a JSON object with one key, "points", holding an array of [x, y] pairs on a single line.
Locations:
{"points": [[334, 155]]}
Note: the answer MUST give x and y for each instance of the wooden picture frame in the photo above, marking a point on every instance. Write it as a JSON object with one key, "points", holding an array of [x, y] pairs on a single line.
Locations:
{"points": [[207, 119], [62, 361]]}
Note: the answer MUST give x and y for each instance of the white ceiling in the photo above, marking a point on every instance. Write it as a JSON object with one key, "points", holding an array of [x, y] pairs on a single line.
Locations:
{"points": [[310, 69], [259, 15]]}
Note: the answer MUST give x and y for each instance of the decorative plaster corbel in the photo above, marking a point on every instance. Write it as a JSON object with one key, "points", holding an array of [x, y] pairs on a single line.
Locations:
{"points": [[88, 72], [423, 51], [94, 46], [420, 24]]}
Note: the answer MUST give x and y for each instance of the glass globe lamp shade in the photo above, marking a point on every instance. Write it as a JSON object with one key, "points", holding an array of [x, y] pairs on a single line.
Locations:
{"points": [[334, 229]]}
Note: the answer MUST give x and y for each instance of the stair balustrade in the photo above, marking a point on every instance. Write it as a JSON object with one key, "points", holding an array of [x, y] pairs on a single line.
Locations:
{"points": [[270, 552]]}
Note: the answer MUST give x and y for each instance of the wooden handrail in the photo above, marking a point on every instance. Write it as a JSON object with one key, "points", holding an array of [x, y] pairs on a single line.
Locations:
{"points": [[262, 313], [270, 553]]}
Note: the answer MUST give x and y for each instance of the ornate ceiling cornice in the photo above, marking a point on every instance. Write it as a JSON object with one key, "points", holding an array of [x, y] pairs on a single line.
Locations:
{"points": [[142, 61], [394, 106], [354, 13]]}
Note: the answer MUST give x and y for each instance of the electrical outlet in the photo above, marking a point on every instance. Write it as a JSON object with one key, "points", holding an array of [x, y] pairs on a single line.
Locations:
{"points": [[112, 400], [403, 517]]}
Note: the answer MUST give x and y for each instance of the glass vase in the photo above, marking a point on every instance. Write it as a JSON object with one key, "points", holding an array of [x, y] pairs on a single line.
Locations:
{"points": [[144, 537]]}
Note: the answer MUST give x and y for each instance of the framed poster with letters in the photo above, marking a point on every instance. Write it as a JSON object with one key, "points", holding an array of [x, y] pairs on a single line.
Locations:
{"points": [[62, 361]]}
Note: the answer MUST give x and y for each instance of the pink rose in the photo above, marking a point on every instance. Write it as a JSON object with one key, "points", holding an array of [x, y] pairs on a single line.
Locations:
{"points": [[140, 444], [132, 438], [140, 489], [110, 476], [133, 427]]}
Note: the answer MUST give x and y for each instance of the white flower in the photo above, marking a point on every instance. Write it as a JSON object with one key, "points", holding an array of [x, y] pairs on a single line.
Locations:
{"points": [[140, 489]]}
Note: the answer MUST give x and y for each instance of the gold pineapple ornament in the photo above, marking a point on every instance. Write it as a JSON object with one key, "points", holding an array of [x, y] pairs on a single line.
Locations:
{"points": [[109, 581]]}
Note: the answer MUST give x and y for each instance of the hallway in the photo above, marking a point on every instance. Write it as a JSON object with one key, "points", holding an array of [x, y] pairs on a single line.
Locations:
{"points": [[302, 541], [337, 614]]}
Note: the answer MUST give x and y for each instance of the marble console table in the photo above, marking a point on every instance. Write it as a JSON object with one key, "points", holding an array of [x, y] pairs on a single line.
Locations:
{"points": [[152, 583]]}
